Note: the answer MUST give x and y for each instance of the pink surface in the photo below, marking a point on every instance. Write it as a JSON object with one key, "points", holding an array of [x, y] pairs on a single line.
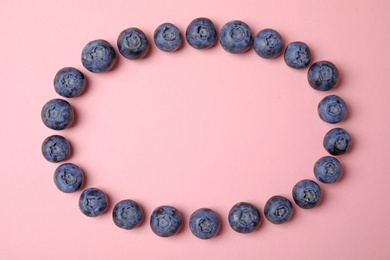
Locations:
{"points": [[194, 129]]}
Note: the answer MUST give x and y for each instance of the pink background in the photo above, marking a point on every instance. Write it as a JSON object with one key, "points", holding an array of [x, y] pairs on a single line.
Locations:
{"points": [[194, 129]]}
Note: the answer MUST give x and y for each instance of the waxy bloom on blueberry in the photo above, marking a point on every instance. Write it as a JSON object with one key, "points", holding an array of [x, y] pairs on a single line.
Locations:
{"points": [[166, 221], [323, 75], [55, 148], [244, 217], [98, 56], [307, 194], [68, 177], [278, 209], [93, 202], [204, 223]]}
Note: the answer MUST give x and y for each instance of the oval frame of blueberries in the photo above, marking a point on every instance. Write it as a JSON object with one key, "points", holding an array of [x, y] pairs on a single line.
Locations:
{"points": [[235, 37]]}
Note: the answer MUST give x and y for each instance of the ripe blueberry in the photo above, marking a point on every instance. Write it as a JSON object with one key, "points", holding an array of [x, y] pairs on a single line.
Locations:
{"points": [[127, 214], [167, 37], [337, 141], [244, 217], [235, 37], [133, 44], [201, 33], [278, 209], [93, 202], [204, 223], [69, 82], [57, 114], [98, 56], [307, 194], [297, 55], [268, 43], [166, 221], [327, 169], [55, 148], [68, 177], [323, 75], [332, 109]]}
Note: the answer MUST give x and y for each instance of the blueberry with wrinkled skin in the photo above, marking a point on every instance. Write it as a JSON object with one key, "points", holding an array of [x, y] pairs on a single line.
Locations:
{"points": [[132, 44], [68, 177], [93, 202], [204, 223], [55, 148], [166, 221], [244, 217], [57, 114], [98, 56], [278, 209], [201, 33], [69, 82], [127, 214], [323, 75], [268, 44], [332, 109], [337, 141], [297, 55], [167, 37], [307, 194], [327, 169], [235, 37]]}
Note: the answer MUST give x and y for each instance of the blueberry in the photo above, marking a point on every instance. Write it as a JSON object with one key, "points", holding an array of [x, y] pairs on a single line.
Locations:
{"points": [[55, 148], [93, 202], [204, 223], [166, 221], [68, 177], [133, 44], [307, 194], [235, 37], [201, 33], [337, 141], [328, 169], [244, 217], [268, 43], [98, 56], [323, 75], [297, 55], [278, 209], [167, 37], [69, 82], [57, 114], [127, 214], [332, 109]]}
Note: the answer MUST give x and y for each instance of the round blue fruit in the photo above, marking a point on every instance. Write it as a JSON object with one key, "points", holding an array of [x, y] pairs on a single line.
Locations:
{"points": [[166, 221], [68, 177], [133, 44], [323, 75], [268, 44], [127, 214], [167, 37], [244, 217], [278, 209], [235, 37], [297, 55], [69, 82], [337, 141], [98, 56], [332, 109], [328, 170], [55, 148], [204, 223], [201, 33], [57, 114], [307, 194], [93, 202]]}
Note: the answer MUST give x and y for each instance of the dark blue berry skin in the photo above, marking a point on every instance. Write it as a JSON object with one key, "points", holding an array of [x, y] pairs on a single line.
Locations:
{"points": [[307, 194], [201, 33], [204, 223], [127, 214], [337, 141], [297, 55], [244, 217], [57, 114], [68, 177], [69, 82], [55, 148], [166, 221], [93, 202], [133, 44], [268, 44], [167, 37], [98, 56], [328, 170], [323, 75], [278, 209], [235, 37], [332, 109]]}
